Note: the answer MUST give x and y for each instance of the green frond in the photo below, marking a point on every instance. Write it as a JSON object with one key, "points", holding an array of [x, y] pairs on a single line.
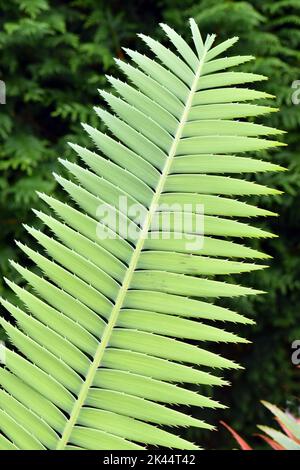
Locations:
{"points": [[101, 331]]}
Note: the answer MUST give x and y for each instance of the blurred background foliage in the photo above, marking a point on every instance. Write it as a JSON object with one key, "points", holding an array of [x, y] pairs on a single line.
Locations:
{"points": [[54, 56]]}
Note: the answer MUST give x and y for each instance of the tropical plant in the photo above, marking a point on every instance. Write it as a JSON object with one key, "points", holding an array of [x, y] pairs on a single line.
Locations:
{"points": [[48, 95], [289, 439], [97, 356]]}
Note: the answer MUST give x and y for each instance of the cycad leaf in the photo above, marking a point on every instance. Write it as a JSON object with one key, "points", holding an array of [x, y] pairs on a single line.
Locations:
{"points": [[103, 339]]}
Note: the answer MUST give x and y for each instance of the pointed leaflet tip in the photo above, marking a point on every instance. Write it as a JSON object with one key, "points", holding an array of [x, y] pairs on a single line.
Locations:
{"points": [[43, 196], [104, 95], [57, 177], [19, 244], [209, 41], [85, 126], [234, 39], [102, 92], [127, 50], [36, 212], [72, 145], [196, 37], [268, 95], [7, 280], [65, 163]]}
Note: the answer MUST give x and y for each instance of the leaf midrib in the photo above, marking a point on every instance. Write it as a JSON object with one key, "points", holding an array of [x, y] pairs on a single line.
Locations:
{"points": [[79, 403]]}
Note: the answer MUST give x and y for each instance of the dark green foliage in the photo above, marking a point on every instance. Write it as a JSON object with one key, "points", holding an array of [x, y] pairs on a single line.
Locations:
{"points": [[54, 56]]}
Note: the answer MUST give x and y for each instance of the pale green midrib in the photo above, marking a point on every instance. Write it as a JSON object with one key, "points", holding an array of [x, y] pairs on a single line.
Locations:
{"points": [[131, 268]]}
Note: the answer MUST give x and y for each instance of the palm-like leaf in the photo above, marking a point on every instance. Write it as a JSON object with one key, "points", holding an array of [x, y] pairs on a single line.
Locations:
{"points": [[99, 362], [287, 440], [277, 440]]}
